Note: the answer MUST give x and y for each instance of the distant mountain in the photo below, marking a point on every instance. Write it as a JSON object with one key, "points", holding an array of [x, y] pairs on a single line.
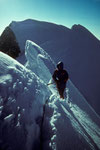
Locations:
{"points": [[77, 47]]}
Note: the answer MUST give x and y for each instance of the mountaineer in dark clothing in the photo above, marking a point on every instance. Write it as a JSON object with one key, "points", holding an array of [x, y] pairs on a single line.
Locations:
{"points": [[60, 77]]}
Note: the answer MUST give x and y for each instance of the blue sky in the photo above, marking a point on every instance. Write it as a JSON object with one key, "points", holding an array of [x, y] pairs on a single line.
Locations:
{"points": [[65, 12]]}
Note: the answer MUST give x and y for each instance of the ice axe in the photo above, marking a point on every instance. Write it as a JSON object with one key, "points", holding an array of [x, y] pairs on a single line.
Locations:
{"points": [[50, 83]]}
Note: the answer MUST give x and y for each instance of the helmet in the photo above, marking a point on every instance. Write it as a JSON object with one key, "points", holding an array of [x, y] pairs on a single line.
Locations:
{"points": [[60, 65]]}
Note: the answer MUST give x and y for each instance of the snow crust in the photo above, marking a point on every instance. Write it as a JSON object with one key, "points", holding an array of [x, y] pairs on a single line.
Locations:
{"points": [[32, 115]]}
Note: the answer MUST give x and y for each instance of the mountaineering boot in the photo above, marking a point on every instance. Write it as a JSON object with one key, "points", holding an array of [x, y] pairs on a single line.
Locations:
{"points": [[61, 96]]}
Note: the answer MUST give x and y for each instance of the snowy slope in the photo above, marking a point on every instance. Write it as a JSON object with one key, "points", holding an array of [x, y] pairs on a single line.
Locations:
{"points": [[37, 31], [76, 47], [22, 96], [25, 100]]}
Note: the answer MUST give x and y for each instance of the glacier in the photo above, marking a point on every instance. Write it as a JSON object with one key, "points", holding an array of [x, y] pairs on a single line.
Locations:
{"points": [[32, 115]]}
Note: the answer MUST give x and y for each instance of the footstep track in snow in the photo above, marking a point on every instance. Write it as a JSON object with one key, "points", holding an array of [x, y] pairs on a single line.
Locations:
{"points": [[75, 128]]}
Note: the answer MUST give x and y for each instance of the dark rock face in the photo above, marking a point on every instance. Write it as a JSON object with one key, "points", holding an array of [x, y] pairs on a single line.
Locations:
{"points": [[8, 43]]}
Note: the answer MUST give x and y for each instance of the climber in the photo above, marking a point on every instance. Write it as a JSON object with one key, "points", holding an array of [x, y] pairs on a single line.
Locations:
{"points": [[60, 77]]}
